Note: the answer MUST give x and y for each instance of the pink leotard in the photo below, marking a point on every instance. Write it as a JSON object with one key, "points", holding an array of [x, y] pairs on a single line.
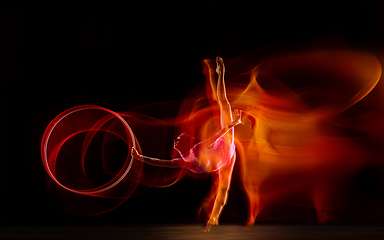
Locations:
{"points": [[226, 151]]}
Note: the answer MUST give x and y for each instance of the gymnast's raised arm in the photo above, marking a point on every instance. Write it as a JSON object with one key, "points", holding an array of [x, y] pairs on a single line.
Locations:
{"points": [[236, 121]]}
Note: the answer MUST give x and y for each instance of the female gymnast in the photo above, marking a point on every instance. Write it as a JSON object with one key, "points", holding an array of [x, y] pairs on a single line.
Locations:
{"points": [[213, 155]]}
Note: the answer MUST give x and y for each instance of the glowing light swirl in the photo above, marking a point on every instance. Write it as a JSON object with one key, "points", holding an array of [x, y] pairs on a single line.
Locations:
{"points": [[49, 158]]}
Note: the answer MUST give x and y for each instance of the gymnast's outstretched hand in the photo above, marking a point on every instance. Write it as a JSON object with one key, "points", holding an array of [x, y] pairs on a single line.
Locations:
{"points": [[135, 154]]}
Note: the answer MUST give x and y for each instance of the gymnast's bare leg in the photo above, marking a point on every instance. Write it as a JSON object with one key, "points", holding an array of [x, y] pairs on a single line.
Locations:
{"points": [[224, 175]]}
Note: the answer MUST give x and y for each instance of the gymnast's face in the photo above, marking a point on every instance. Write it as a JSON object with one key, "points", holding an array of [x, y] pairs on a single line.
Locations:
{"points": [[179, 142], [182, 142]]}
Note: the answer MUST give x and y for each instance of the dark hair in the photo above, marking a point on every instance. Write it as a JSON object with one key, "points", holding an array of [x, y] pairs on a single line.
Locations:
{"points": [[188, 141]]}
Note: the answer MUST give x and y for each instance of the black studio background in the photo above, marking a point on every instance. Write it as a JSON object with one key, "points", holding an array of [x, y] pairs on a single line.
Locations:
{"points": [[54, 56]]}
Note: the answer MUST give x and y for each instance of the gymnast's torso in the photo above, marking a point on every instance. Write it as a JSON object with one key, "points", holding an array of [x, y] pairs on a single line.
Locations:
{"points": [[209, 159]]}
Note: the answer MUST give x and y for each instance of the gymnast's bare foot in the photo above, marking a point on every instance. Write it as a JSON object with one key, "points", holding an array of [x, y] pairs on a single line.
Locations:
{"points": [[220, 68], [211, 222], [249, 224]]}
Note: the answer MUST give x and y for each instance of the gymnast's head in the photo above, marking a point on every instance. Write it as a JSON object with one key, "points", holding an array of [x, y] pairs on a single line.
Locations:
{"points": [[183, 143]]}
